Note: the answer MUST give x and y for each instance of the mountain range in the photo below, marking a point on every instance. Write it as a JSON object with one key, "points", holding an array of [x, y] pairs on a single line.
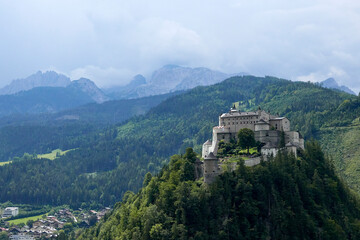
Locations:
{"points": [[39, 79], [49, 92], [169, 78]]}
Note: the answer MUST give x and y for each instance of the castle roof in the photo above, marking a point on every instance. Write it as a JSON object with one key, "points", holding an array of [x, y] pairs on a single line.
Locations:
{"points": [[277, 118], [262, 122], [208, 142], [211, 156], [198, 161], [269, 145], [237, 114], [290, 144]]}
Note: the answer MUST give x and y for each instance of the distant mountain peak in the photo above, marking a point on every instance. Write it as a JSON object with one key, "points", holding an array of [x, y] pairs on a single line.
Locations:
{"points": [[89, 87], [331, 83], [169, 78], [170, 66], [138, 80], [38, 79]]}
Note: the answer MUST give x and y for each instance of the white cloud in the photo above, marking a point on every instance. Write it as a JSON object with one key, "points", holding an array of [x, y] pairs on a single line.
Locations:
{"points": [[109, 40], [103, 77]]}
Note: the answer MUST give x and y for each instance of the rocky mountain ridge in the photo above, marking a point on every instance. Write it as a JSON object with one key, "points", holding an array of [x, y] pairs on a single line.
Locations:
{"points": [[39, 79], [169, 78], [54, 79]]}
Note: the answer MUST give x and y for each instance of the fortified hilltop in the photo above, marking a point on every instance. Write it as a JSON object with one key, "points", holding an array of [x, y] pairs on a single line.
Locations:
{"points": [[268, 130]]}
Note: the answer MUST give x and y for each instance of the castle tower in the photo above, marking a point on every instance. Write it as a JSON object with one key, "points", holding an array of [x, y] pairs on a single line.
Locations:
{"points": [[211, 168]]}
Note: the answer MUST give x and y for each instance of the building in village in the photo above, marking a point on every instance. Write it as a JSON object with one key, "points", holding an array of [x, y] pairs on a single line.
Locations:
{"points": [[10, 212]]}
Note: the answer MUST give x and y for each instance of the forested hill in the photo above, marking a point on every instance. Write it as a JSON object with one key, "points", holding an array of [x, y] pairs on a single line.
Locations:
{"points": [[285, 198], [41, 133], [109, 164]]}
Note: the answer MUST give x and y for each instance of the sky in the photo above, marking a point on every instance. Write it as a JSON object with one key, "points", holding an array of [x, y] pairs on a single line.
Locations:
{"points": [[111, 41]]}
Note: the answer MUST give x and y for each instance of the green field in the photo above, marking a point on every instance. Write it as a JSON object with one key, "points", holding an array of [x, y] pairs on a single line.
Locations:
{"points": [[4, 163], [24, 220], [55, 153]]}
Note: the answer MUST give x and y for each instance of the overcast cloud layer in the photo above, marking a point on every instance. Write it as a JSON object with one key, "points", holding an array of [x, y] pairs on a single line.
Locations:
{"points": [[110, 41]]}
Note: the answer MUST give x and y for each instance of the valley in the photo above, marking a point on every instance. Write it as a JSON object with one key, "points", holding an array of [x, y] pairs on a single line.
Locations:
{"points": [[107, 160]]}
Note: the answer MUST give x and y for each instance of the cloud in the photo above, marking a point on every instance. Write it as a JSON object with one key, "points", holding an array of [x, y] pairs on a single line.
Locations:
{"points": [[103, 77], [110, 40]]}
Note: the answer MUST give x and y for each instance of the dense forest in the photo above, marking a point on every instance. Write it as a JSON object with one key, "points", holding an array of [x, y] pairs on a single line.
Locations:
{"points": [[68, 129], [284, 198], [105, 165]]}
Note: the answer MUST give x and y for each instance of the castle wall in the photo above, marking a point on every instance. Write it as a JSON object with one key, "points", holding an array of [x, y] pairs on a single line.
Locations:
{"points": [[302, 143], [281, 124], [264, 115], [267, 152], [271, 136], [211, 170], [292, 149], [240, 122], [261, 127], [292, 137], [230, 123], [205, 150], [252, 161]]}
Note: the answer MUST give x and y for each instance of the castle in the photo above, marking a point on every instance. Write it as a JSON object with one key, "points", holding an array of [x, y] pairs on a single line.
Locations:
{"points": [[268, 129]]}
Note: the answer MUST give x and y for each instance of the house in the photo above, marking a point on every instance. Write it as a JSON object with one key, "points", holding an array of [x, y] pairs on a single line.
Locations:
{"points": [[10, 212]]}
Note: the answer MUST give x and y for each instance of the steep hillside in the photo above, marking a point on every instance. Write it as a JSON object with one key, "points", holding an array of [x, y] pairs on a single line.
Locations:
{"points": [[286, 198], [111, 163], [341, 140]]}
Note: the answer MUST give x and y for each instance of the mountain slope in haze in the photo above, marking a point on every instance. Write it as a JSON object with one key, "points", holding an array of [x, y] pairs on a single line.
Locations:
{"points": [[114, 161], [125, 92], [42, 99], [51, 99], [331, 83], [285, 198], [88, 87], [39, 79], [168, 79]]}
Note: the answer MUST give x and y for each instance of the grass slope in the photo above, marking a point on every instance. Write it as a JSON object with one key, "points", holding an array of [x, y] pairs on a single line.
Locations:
{"points": [[25, 220], [54, 154]]}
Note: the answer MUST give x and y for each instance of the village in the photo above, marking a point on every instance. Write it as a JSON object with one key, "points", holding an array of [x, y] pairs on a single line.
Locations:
{"points": [[49, 226]]}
